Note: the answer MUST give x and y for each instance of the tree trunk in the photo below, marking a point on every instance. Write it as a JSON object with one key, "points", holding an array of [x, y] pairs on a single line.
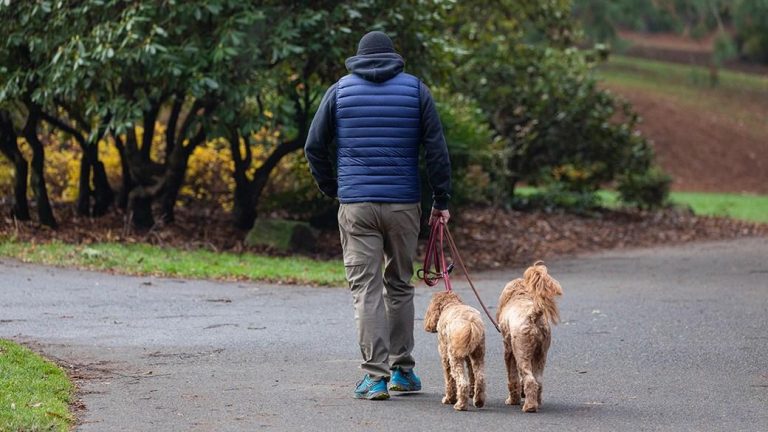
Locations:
{"points": [[176, 170], [244, 210], [10, 149], [102, 191], [127, 181], [261, 176], [140, 208], [144, 183], [44, 210], [84, 191], [174, 181], [20, 208], [104, 196]]}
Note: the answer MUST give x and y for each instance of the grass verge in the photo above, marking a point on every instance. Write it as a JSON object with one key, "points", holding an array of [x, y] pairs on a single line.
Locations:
{"points": [[744, 207], [695, 76], [147, 259], [34, 393], [735, 206]]}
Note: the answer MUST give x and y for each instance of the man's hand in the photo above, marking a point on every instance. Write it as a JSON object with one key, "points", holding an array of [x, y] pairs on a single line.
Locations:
{"points": [[436, 214]]}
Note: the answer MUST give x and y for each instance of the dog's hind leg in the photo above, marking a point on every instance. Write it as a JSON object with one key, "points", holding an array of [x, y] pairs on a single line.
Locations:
{"points": [[471, 374], [530, 384], [477, 369], [450, 384], [513, 378], [538, 373], [462, 387]]}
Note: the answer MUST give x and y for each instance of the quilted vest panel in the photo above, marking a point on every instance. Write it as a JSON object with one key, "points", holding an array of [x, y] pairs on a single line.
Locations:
{"points": [[378, 135]]}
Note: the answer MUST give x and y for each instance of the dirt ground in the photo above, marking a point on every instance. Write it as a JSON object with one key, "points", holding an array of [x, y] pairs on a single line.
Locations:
{"points": [[703, 150], [678, 49], [487, 238]]}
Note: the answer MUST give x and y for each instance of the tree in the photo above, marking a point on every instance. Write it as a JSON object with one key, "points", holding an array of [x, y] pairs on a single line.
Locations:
{"points": [[140, 61], [307, 43], [10, 150], [541, 98], [35, 32], [751, 20]]}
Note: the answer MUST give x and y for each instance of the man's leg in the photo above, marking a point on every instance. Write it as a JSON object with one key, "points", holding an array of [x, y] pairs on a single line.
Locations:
{"points": [[362, 243], [401, 233]]}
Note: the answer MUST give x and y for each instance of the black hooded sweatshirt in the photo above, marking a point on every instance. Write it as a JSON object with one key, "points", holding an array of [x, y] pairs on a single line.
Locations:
{"points": [[379, 68]]}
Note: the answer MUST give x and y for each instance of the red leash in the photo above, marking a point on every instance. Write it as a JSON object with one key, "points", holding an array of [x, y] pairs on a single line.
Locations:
{"points": [[434, 257]]}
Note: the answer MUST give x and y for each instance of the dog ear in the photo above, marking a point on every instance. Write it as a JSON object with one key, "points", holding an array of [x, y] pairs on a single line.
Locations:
{"points": [[537, 278], [432, 316]]}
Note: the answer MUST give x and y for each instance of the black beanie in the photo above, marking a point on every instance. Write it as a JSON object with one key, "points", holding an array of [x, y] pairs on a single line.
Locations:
{"points": [[375, 42]]}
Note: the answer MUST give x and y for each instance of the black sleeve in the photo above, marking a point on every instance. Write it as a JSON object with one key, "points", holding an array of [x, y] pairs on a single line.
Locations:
{"points": [[317, 148], [436, 151]]}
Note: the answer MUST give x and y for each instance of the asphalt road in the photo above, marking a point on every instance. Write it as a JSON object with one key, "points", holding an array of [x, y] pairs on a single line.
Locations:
{"points": [[658, 339]]}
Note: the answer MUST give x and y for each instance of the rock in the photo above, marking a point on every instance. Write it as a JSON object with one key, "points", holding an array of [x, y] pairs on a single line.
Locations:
{"points": [[282, 235]]}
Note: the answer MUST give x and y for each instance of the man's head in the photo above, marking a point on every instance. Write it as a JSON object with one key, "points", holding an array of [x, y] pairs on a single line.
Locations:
{"points": [[375, 42]]}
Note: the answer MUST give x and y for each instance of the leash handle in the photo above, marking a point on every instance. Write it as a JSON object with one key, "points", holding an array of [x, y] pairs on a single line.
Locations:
{"points": [[434, 257]]}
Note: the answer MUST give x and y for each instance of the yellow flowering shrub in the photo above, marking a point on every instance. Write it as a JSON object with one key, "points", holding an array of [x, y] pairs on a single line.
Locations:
{"points": [[209, 172]]}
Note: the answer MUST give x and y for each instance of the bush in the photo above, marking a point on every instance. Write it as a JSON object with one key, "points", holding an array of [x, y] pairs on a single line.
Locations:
{"points": [[559, 196], [557, 124], [474, 149], [648, 190], [751, 22]]}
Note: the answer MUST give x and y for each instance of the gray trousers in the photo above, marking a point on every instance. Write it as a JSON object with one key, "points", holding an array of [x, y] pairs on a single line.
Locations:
{"points": [[373, 234]]}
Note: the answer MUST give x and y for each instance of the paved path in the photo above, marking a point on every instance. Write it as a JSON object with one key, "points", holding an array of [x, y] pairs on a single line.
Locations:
{"points": [[659, 339]]}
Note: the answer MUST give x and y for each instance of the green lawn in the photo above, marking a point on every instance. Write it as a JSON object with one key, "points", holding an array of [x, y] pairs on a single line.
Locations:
{"points": [[737, 206], [34, 393], [146, 259], [694, 76], [745, 207]]}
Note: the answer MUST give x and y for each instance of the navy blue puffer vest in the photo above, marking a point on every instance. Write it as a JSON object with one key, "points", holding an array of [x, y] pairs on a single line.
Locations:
{"points": [[378, 135]]}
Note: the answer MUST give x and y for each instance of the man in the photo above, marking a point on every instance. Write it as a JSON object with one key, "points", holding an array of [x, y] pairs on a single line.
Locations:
{"points": [[380, 117]]}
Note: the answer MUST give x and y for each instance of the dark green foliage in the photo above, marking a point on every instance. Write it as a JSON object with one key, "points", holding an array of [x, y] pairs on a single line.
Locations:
{"points": [[559, 196], [601, 19], [518, 101], [476, 152], [543, 101], [648, 190], [751, 21]]}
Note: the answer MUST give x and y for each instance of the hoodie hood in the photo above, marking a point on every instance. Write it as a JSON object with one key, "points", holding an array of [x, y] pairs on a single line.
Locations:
{"points": [[377, 67]]}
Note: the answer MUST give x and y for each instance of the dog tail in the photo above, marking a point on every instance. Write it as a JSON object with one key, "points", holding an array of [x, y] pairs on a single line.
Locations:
{"points": [[543, 288], [468, 337]]}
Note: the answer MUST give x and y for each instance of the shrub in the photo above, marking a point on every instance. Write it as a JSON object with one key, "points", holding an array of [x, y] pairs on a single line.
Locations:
{"points": [[559, 196], [475, 151], [557, 124], [648, 190]]}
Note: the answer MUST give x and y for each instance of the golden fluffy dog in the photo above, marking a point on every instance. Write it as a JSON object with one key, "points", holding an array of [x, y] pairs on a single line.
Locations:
{"points": [[526, 309], [461, 341]]}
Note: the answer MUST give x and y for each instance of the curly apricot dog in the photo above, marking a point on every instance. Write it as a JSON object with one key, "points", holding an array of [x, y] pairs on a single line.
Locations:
{"points": [[461, 340], [526, 307]]}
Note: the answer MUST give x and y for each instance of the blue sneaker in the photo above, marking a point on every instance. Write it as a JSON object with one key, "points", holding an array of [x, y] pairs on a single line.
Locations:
{"points": [[404, 381], [369, 389]]}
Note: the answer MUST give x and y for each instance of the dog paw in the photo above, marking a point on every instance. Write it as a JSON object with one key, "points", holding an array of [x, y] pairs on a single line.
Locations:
{"points": [[512, 401], [478, 402], [530, 407], [448, 400], [460, 406]]}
